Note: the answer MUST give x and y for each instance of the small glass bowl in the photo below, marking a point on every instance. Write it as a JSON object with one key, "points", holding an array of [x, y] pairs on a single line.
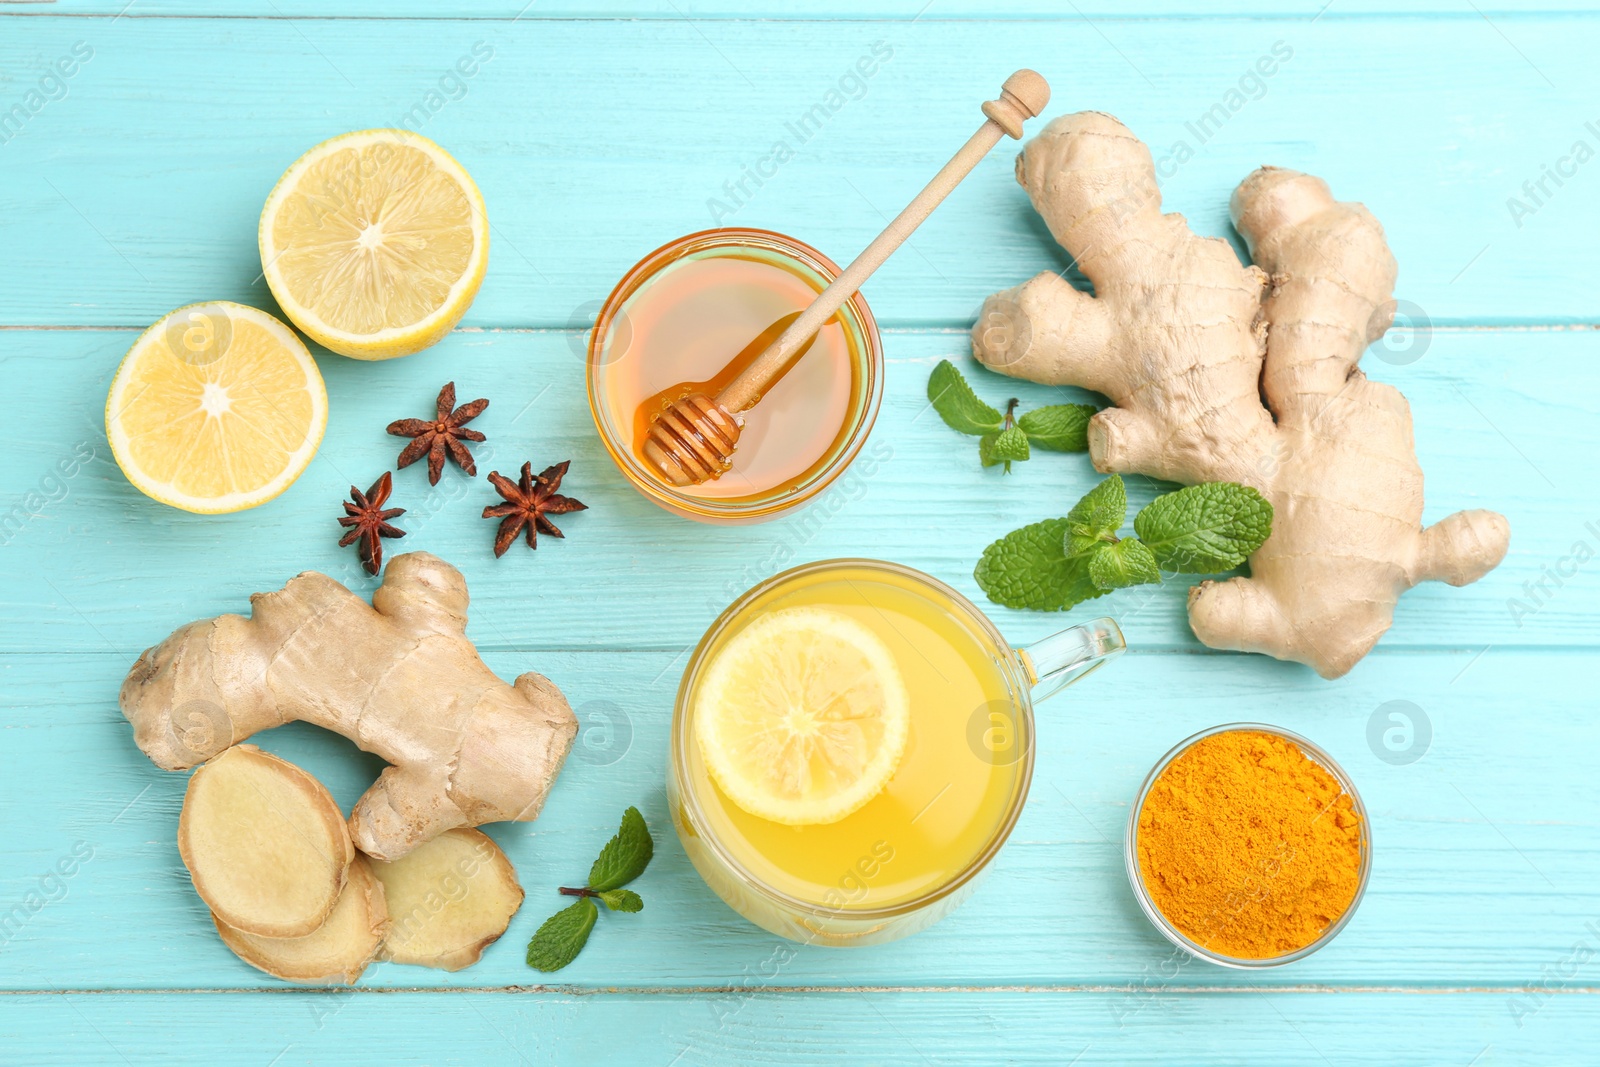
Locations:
{"points": [[861, 332], [1177, 937]]}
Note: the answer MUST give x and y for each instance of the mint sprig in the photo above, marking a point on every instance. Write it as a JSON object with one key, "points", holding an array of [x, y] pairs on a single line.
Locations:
{"points": [[1052, 565], [562, 936], [1006, 439]]}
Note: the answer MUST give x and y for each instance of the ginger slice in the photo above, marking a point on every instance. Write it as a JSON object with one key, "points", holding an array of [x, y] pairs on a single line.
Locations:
{"points": [[398, 677], [449, 899], [337, 951], [264, 842]]}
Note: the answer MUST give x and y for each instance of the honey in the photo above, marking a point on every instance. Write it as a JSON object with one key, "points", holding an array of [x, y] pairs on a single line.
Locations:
{"points": [[693, 315]]}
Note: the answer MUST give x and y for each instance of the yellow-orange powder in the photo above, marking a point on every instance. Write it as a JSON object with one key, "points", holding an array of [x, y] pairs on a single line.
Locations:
{"points": [[1248, 846]]}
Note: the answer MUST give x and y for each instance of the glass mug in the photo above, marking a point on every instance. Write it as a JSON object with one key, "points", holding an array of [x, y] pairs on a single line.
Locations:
{"points": [[912, 853]]}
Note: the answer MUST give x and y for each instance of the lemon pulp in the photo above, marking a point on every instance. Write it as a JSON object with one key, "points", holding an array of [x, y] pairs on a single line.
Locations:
{"points": [[375, 243], [217, 407], [803, 716]]}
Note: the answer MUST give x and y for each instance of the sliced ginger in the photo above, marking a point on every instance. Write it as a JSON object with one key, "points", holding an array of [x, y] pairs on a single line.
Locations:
{"points": [[398, 677], [448, 900], [264, 842], [337, 951]]}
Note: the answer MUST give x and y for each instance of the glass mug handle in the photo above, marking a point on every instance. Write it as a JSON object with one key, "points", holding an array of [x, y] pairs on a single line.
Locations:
{"points": [[1057, 661]]}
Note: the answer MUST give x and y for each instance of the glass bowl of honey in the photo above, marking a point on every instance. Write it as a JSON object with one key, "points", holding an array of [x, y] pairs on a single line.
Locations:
{"points": [[688, 317]]}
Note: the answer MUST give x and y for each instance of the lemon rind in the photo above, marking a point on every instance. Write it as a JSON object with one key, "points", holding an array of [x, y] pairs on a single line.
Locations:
{"points": [[395, 341], [301, 458], [762, 804]]}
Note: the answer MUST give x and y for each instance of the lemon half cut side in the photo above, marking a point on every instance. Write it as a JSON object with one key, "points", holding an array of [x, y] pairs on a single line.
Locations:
{"points": [[217, 407], [803, 716], [374, 243]]}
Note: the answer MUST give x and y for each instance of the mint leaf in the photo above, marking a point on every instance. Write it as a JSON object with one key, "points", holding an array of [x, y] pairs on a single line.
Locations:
{"points": [[1059, 427], [1205, 528], [625, 856], [1028, 568], [1009, 445], [622, 900], [1127, 562], [957, 404], [1102, 510], [563, 935]]}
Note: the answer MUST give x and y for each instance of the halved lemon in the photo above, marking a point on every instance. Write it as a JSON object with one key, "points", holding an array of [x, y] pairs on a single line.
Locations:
{"points": [[374, 243], [802, 717], [217, 407]]}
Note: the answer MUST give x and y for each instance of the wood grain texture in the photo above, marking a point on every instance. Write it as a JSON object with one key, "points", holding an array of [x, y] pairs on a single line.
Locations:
{"points": [[1454, 125], [138, 188], [917, 1029], [1482, 873], [918, 496], [1106, 11]]}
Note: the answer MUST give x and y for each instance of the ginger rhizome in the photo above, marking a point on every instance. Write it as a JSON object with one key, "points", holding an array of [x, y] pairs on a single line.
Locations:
{"points": [[399, 678], [1222, 372]]}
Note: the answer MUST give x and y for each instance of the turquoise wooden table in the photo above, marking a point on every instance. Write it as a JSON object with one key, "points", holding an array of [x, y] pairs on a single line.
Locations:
{"points": [[597, 133]]}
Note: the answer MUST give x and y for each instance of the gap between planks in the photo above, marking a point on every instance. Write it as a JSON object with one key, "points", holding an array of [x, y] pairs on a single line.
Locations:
{"points": [[722, 990], [1153, 649], [1475, 13], [1464, 327]]}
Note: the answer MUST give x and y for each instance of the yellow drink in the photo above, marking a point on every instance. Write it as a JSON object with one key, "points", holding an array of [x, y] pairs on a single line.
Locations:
{"points": [[949, 805]]}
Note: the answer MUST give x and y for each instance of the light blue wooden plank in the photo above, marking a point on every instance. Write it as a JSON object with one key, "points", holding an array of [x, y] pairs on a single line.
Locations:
{"points": [[1086, 1029], [134, 193], [1104, 11], [1486, 845], [103, 568], [138, 192]]}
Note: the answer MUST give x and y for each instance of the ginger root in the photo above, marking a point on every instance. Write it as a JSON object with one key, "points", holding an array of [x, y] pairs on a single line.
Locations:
{"points": [[337, 951], [399, 678], [267, 849], [264, 842], [449, 899], [1226, 372]]}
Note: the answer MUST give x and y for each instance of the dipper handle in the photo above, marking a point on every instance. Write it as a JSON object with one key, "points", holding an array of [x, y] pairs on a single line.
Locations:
{"points": [[1023, 96]]}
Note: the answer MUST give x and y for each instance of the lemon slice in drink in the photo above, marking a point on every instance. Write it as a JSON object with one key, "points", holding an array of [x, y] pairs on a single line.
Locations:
{"points": [[374, 243], [802, 717], [217, 407]]}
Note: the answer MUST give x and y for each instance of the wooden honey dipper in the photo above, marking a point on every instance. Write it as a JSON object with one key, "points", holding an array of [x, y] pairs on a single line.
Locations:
{"points": [[692, 440]]}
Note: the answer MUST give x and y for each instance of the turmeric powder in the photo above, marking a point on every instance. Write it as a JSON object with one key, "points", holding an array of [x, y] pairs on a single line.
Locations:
{"points": [[1247, 846]]}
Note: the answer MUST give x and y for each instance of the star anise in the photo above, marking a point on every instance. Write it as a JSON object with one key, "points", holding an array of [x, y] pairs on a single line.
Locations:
{"points": [[527, 505], [436, 437], [368, 520]]}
